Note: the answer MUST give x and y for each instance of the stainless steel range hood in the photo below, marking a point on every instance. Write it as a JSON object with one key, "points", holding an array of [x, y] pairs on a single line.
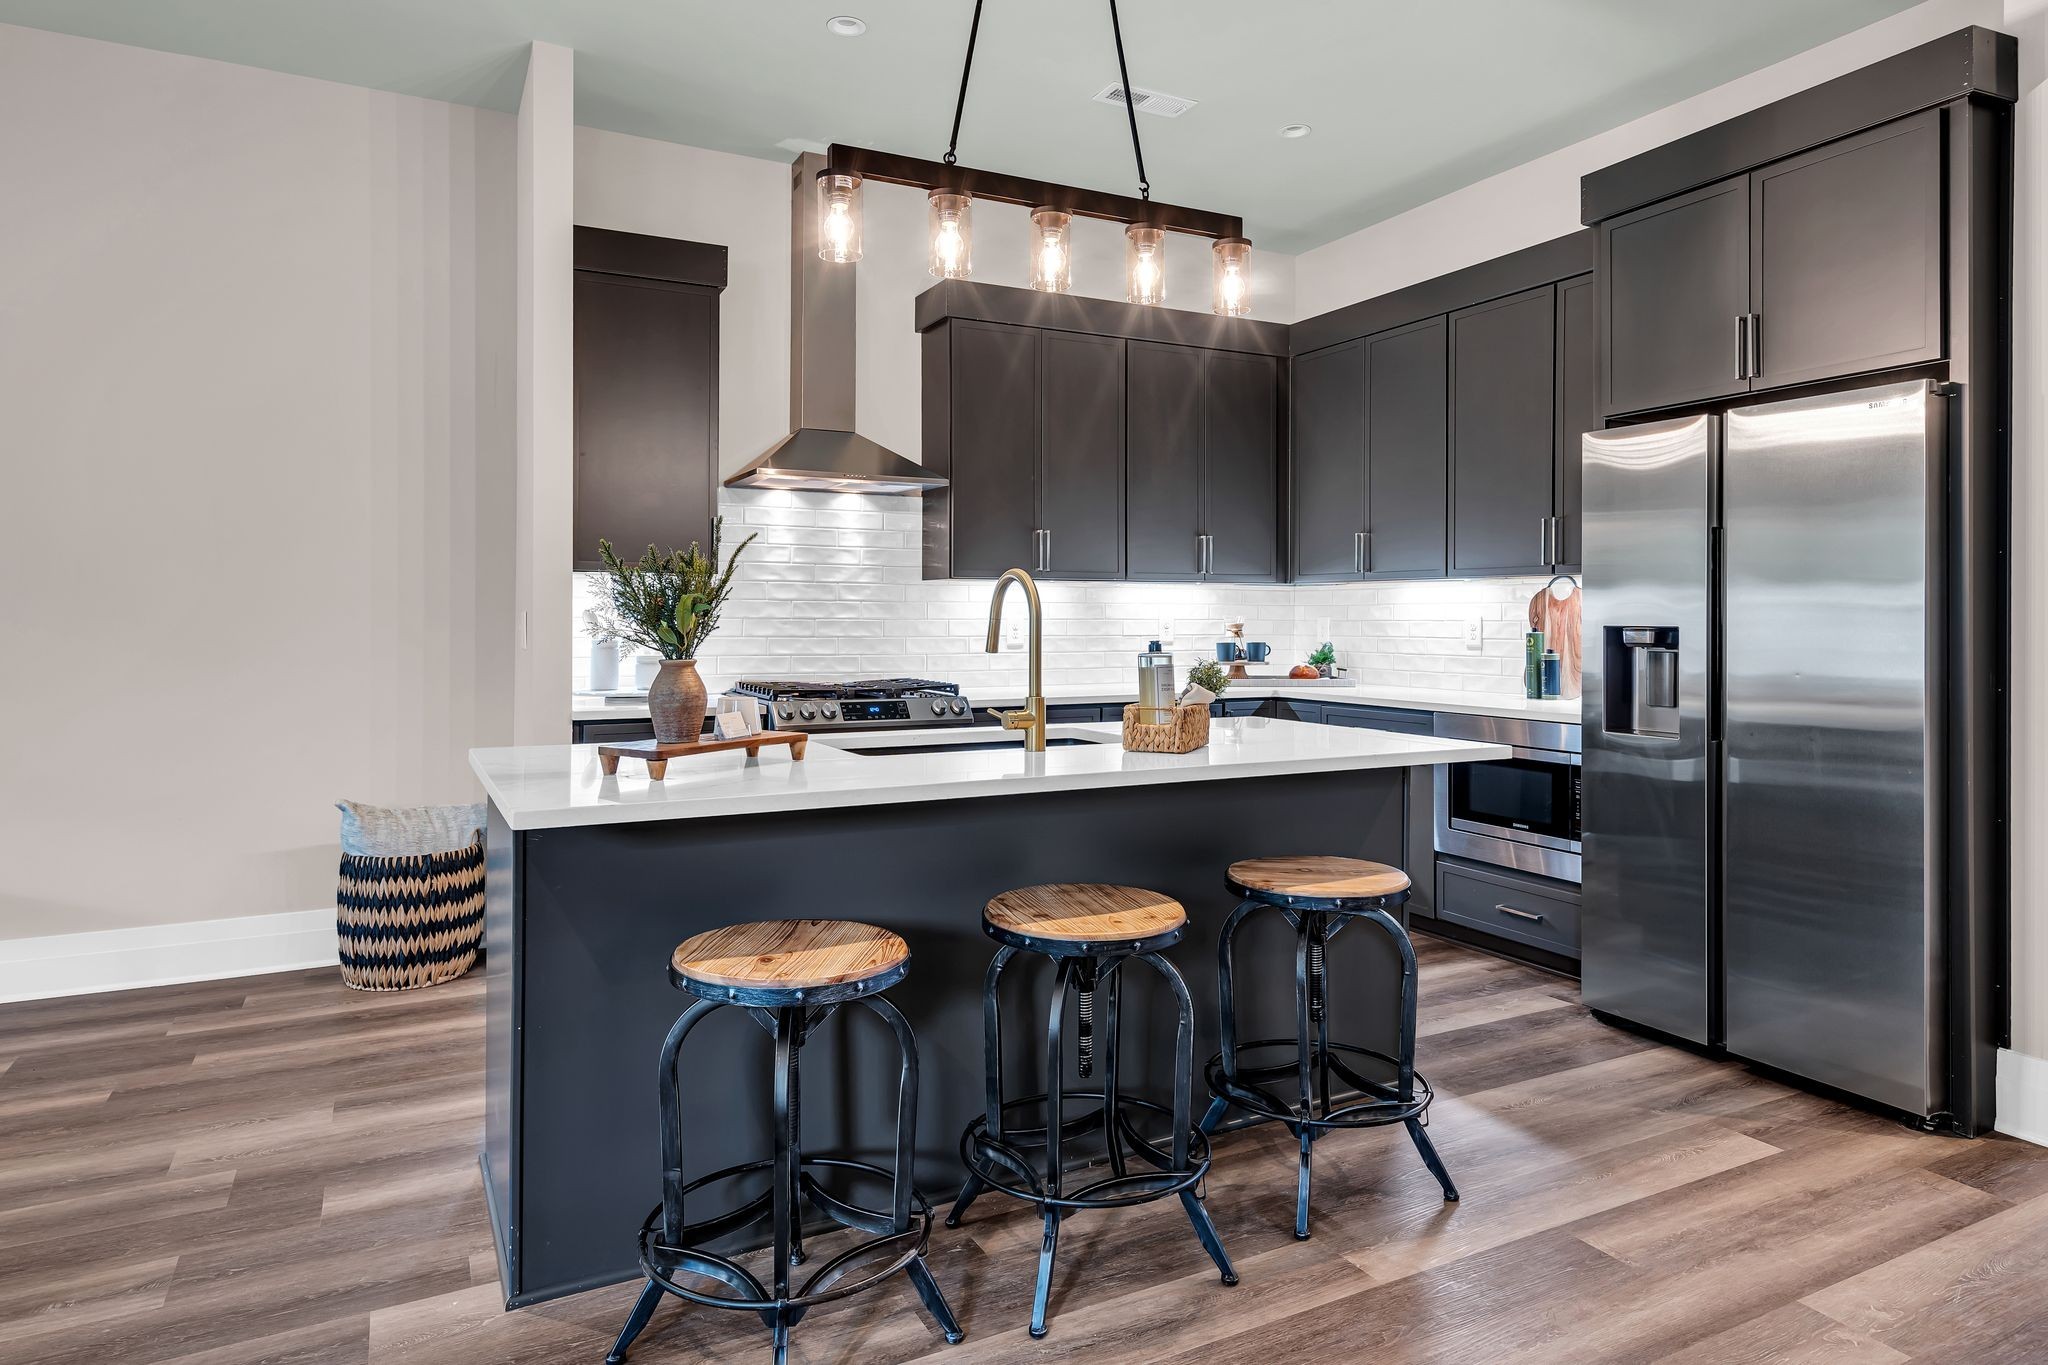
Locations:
{"points": [[824, 453]]}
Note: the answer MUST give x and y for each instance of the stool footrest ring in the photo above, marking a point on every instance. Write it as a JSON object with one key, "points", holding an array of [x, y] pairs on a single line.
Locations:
{"points": [[1383, 1105], [661, 1262], [993, 1161]]}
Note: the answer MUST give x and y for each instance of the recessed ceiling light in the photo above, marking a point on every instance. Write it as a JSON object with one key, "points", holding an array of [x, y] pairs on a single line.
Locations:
{"points": [[1296, 130], [846, 26]]}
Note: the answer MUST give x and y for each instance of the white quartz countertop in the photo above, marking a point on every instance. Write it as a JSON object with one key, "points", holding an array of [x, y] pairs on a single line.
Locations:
{"points": [[1354, 694], [559, 785]]}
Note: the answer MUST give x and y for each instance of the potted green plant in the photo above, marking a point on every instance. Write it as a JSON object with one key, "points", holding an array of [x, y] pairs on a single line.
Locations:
{"points": [[1210, 676], [1324, 657], [669, 604]]}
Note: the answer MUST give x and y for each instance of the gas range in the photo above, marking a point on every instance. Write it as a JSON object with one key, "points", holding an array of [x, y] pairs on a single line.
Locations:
{"points": [[868, 704]]}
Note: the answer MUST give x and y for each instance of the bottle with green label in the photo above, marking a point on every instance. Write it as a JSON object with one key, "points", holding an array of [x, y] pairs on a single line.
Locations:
{"points": [[1532, 665]]}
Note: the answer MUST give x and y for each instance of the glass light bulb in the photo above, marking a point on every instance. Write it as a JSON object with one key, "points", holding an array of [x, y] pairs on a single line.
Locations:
{"points": [[1145, 264], [838, 217], [1051, 262], [1232, 296], [952, 239]]}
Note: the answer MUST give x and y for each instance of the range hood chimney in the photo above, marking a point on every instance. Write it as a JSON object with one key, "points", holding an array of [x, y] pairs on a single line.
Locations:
{"points": [[824, 453]]}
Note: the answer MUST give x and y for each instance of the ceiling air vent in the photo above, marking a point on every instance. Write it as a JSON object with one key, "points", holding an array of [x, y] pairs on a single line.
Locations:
{"points": [[1146, 101]]}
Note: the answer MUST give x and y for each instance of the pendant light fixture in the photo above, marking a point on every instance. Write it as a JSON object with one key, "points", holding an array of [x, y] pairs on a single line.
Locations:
{"points": [[1232, 295], [838, 218], [952, 227], [952, 189], [1052, 257]]}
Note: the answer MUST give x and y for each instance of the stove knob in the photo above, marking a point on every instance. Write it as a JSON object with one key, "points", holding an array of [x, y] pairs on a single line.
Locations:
{"points": [[938, 708], [810, 712], [786, 712], [831, 710], [959, 708]]}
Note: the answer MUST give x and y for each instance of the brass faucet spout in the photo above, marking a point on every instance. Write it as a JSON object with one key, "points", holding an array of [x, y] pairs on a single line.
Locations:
{"points": [[1031, 718]]}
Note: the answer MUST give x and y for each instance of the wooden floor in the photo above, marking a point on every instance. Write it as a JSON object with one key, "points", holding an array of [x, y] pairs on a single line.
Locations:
{"points": [[277, 1169]]}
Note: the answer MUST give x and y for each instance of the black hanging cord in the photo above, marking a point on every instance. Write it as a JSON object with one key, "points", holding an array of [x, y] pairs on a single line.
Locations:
{"points": [[960, 104], [1130, 107]]}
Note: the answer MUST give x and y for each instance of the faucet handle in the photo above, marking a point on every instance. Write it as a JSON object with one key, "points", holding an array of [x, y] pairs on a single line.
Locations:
{"points": [[1016, 720]]}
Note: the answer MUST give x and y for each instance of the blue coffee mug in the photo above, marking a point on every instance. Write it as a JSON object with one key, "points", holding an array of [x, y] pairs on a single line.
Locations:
{"points": [[1226, 652], [1258, 651]]}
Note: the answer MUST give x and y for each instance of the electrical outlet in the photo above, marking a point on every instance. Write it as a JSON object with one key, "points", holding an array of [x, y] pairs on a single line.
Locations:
{"points": [[1013, 633], [1475, 631]]}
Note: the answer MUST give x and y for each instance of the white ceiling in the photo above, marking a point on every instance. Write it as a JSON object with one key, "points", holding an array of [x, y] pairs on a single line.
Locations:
{"points": [[1408, 100]]}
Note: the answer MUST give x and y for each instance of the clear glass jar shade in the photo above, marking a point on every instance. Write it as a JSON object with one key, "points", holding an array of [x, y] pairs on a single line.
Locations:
{"points": [[1052, 255], [1145, 264], [839, 218], [1232, 296], [952, 229]]}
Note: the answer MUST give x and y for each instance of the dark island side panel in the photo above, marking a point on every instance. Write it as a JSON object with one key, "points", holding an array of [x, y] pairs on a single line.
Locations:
{"points": [[603, 907]]}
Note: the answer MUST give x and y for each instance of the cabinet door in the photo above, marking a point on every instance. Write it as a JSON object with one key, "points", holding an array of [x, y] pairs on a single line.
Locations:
{"points": [[1163, 445], [1845, 255], [1407, 444], [1328, 484], [994, 490], [1081, 456], [646, 368], [1503, 396], [1240, 465], [1578, 405], [1676, 276]]}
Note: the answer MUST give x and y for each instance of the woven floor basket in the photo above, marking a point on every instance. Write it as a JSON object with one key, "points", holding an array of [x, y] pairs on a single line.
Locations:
{"points": [[412, 921]]}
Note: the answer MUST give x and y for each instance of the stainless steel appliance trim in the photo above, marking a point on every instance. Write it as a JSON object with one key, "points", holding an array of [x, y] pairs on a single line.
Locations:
{"points": [[1553, 736]]}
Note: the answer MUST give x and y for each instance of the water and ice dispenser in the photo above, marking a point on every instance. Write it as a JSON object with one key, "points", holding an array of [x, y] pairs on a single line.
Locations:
{"points": [[1642, 680]]}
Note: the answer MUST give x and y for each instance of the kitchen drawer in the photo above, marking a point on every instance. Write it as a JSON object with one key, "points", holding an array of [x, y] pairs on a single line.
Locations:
{"points": [[1286, 708], [1540, 913], [1378, 718], [1069, 713], [613, 731], [1243, 706]]}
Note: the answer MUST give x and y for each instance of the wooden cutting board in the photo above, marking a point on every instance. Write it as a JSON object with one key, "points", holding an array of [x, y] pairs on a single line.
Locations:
{"points": [[1558, 619]]}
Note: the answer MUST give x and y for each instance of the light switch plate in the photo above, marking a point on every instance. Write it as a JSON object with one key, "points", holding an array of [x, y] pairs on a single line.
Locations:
{"points": [[1475, 631]]}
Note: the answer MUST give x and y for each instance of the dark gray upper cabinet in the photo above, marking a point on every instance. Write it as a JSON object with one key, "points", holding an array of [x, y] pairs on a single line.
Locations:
{"points": [[1407, 451], [1241, 465], [1845, 255], [1164, 450], [993, 498], [1503, 430], [1578, 405], [1328, 485], [646, 373], [1203, 452], [1081, 456], [1675, 277]]}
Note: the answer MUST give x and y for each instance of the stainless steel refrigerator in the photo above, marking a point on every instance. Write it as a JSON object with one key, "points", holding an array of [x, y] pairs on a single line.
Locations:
{"points": [[1763, 814]]}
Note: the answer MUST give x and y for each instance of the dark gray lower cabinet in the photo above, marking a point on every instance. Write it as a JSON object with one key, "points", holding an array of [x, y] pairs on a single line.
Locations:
{"points": [[612, 731], [1531, 910]]}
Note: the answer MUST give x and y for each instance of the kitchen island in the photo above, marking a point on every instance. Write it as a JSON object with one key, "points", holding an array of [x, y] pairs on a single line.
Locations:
{"points": [[593, 880]]}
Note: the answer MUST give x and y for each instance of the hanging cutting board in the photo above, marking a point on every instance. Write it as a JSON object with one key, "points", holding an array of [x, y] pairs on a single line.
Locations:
{"points": [[1558, 619]]}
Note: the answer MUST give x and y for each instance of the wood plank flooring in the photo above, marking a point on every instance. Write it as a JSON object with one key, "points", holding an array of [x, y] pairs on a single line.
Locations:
{"points": [[280, 1170]]}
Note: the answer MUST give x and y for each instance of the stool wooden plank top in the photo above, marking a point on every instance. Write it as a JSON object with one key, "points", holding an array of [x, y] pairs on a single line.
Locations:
{"points": [[1081, 912], [790, 954], [1320, 877]]}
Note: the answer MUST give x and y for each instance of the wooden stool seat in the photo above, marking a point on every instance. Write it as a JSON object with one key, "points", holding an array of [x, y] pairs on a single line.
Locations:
{"points": [[1083, 917], [781, 957], [1318, 881]]}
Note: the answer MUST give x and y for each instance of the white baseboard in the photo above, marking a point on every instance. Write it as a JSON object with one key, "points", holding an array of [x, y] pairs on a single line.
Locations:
{"points": [[165, 954], [2023, 1096]]}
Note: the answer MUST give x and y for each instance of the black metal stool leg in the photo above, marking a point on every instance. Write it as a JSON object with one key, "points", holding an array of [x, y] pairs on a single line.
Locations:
{"points": [[903, 1186], [1226, 994], [1405, 1081], [1055, 1122], [1305, 1053], [992, 1077], [1183, 1107], [1111, 987], [636, 1321], [788, 1030]]}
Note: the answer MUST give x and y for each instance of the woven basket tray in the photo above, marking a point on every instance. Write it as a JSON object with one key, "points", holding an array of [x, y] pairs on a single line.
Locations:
{"points": [[412, 921], [1188, 731]]}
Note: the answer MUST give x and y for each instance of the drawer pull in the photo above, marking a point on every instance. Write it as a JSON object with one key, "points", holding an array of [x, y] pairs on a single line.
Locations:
{"points": [[1519, 914]]}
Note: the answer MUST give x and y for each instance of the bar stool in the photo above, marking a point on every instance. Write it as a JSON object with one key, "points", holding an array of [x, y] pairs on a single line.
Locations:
{"points": [[1091, 933], [789, 976], [1320, 896]]}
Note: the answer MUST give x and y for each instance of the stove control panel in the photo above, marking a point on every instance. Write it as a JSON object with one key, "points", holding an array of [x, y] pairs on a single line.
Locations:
{"points": [[866, 713]]}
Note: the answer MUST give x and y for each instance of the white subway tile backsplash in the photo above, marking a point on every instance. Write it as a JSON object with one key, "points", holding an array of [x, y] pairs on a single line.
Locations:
{"points": [[832, 586]]}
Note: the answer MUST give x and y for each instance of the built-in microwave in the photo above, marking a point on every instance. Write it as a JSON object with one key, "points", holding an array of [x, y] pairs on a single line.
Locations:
{"points": [[1520, 812]]}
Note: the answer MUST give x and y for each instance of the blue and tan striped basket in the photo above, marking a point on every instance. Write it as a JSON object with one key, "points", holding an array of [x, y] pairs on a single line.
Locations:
{"points": [[410, 921]]}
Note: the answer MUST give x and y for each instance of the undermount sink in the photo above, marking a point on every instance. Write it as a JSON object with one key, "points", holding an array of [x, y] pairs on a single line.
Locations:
{"points": [[982, 739]]}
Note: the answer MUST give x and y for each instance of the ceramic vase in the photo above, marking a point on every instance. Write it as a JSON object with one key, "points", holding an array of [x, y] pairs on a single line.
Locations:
{"points": [[675, 702]]}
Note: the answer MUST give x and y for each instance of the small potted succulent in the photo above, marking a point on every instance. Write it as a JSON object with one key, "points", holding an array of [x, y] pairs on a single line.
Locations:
{"points": [[669, 604]]}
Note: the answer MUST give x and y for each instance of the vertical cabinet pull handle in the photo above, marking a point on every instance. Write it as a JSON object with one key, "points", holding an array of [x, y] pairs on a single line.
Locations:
{"points": [[1045, 555], [1742, 345], [1358, 552], [1543, 540], [1756, 345]]}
